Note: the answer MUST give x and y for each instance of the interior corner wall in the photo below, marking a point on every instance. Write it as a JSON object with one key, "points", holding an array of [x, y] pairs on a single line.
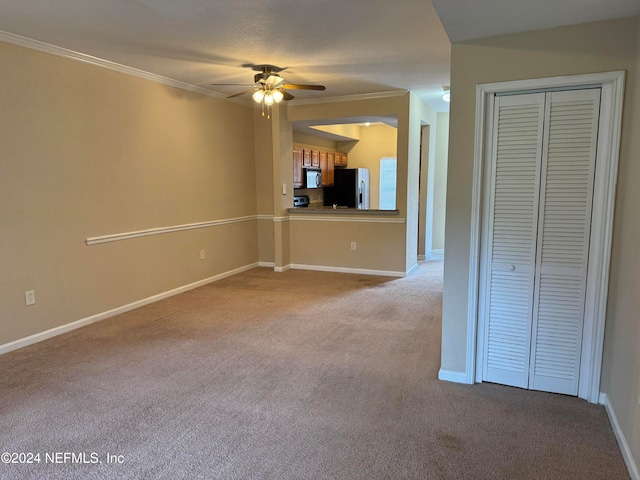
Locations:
{"points": [[282, 132], [420, 114], [440, 181], [263, 141], [87, 151], [580, 49], [424, 231]]}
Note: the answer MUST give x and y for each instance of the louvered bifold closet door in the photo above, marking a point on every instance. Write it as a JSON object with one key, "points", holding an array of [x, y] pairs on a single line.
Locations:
{"points": [[510, 255], [568, 162]]}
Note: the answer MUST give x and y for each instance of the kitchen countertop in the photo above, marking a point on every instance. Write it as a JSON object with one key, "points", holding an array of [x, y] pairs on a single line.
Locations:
{"points": [[341, 210]]}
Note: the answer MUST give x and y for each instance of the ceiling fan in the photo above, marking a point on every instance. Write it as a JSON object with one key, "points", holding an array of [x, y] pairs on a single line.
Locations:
{"points": [[270, 87]]}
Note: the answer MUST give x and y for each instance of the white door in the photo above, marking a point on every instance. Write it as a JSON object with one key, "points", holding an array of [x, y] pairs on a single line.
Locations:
{"points": [[537, 238]]}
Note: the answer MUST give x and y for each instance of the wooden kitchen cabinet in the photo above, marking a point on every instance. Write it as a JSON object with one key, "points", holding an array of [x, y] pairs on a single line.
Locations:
{"points": [[315, 158], [327, 164], [298, 177], [341, 159], [306, 158], [330, 169]]}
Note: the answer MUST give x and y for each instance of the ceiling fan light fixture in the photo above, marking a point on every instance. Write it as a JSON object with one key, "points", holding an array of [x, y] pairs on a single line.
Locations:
{"points": [[268, 98], [446, 97], [257, 96], [277, 96]]}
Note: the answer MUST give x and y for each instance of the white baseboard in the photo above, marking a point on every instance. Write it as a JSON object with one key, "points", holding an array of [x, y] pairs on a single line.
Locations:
{"points": [[622, 441], [422, 257], [361, 271], [267, 264], [435, 254], [284, 268], [412, 269], [455, 377], [53, 332]]}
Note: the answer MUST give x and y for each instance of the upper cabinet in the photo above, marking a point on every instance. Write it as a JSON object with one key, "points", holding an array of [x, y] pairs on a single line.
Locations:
{"points": [[327, 172], [306, 158], [340, 159], [315, 158], [298, 177], [325, 160]]}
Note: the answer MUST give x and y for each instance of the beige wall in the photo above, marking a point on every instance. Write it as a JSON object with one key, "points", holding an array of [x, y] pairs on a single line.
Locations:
{"points": [[597, 47], [621, 368], [440, 181], [85, 151], [328, 244]]}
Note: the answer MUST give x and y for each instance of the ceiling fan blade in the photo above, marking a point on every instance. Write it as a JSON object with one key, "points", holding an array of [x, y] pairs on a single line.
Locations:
{"points": [[287, 95], [242, 93], [296, 86], [274, 80], [232, 84]]}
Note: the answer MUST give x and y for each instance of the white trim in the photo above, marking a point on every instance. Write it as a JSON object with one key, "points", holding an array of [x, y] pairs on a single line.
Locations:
{"points": [[53, 332], [282, 269], [100, 62], [455, 377], [422, 257], [474, 252], [348, 98], [412, 269], [267, 264], [605, 180], [436, 254], [265, 217], [115, 237], [280, 219], [345, 218], [627, 455], [609, 142], [360, 271]]}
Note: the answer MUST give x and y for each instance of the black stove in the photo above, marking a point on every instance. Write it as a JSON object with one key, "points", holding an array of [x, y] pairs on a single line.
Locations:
{"points": [[301, 201]]}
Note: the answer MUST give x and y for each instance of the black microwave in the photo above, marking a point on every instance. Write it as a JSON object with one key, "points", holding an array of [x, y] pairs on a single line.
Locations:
{"points": [[312, 178]]}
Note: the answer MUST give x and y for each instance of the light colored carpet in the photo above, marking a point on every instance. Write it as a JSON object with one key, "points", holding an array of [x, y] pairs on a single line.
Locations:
{"points": [[295, 375]]}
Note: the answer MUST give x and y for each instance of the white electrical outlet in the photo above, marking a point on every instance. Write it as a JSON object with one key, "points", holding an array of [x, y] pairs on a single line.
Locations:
{"points": [[29, 297], [353, 245], [202, 255]]}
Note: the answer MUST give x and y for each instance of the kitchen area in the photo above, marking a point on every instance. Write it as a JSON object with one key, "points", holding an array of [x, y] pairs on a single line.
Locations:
{"points": [[341, 172]]}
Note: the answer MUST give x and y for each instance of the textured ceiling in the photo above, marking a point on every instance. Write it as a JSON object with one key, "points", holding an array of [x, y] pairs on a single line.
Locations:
{"points": [[352, 47]]}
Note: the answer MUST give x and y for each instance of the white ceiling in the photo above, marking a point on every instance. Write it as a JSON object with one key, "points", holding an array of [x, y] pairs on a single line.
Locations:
{"points": [[352, 47], [472, 19]]}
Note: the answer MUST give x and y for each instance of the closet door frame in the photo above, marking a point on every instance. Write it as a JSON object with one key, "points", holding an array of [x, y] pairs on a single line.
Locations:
{"points": [[607, 154]]}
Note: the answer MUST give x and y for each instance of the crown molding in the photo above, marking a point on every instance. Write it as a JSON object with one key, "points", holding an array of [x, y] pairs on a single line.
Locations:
{"points": [[101, 62], [349, 98]]}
